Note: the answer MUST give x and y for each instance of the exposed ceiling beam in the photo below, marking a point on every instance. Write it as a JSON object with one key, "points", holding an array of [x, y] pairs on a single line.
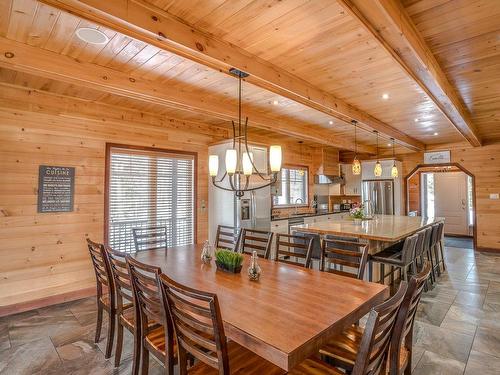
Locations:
{"points": [[22, 57], [152, 25], [390, 24]]}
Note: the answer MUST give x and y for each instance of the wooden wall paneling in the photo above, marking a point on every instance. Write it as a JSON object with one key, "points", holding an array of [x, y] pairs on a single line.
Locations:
{"points": [[150, 24]]}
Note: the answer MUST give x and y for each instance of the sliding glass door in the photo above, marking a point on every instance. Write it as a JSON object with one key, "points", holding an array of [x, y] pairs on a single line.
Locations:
{"points": [[149, 188]]}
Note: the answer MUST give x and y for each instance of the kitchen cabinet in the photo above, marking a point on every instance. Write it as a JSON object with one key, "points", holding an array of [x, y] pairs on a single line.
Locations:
{"points": [[279, 226], [352, 182]]}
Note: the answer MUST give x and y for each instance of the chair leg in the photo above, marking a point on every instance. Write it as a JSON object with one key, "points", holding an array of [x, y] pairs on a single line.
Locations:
{"points": [[119, 343], [382, 273], [433, 271], [144, 361], [404, 270], [98, 326], [441, 248], [436, 256], [111, 334], [137, 352]]}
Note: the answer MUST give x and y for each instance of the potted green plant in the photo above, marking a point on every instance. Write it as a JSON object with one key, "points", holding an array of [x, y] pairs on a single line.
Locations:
{"points": [[228, 261]]}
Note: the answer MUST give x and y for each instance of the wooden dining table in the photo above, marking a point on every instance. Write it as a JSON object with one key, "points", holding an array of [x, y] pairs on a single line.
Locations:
{"points": [[284, 317]]}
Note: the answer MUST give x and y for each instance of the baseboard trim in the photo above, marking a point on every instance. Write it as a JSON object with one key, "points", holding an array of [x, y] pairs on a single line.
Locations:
{"points": [[458, 235], [487, 249], [46, 301]]}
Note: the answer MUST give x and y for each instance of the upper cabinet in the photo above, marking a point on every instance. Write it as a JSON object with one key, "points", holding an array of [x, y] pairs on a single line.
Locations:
{"points": [[352, 182], [327, 160]]}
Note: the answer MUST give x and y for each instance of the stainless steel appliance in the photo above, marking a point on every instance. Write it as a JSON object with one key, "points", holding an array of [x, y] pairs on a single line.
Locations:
{"points": [[380, 194], [321, 179]]}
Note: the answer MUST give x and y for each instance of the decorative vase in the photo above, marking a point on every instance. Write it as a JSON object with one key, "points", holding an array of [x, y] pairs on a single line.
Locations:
{"points": [[206, 252], [254, 270], [225, 268]]}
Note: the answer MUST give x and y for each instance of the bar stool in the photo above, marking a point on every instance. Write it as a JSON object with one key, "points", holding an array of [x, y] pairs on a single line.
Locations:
{"points": [[434, 252], [401, 259], [440, 244]]}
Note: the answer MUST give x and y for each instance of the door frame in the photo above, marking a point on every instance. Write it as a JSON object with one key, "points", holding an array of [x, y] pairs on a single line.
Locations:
{"points": [[441, 165]]}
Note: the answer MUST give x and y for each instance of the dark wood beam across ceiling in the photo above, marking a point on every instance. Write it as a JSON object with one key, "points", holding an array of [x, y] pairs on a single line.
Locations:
{"points": [[152, 25]]}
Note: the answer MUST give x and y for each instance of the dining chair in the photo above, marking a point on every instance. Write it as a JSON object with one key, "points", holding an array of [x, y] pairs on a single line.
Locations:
{"points": [[372, 343], [105, 295], [256, 240], [125, 311], [199, 330], [150, 238], [402, 341], [419, 250], [399, 259], [227, 237], [155, 327], [294, 250], [348, 257]]}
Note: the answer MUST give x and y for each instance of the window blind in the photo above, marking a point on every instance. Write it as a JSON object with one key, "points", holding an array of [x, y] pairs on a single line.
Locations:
{"points": [[146, 189]]}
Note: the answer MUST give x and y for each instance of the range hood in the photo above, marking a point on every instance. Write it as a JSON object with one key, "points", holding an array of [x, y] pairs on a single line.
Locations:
{"points": [[322, 179]]}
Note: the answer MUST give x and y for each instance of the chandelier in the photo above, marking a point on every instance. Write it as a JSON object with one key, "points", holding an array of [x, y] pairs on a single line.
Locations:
{"points": [[239, 161]]}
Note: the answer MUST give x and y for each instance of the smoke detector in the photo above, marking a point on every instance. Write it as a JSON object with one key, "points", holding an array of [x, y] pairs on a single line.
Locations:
{"points": [[92, 36]]}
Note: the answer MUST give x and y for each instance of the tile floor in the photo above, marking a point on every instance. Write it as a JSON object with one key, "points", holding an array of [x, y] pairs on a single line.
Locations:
{"points": [[457, 329]]}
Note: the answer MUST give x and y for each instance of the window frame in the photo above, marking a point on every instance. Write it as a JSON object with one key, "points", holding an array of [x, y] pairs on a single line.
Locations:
{"points": [[306, 201], [109, 146]]}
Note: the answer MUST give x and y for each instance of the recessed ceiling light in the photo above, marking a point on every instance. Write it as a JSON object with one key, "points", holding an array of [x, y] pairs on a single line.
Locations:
{"points": [[416, 120], [92, 36], [275, 102], [389, 144], [330, 122], [436, 133], [385, 96]]}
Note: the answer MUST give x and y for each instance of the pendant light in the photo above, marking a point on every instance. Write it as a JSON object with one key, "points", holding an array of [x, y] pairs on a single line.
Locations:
{"points": [[239, 160], [356, 165], [394, 170], [377, 171]]}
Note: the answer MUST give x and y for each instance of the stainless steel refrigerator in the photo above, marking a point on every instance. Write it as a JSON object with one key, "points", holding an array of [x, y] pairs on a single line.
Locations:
{"points": [[380, 194]]}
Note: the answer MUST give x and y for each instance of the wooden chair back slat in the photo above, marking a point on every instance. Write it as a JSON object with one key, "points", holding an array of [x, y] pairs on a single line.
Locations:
{"points": [[375, 343], [198, 325], [344, 253], [258, 240], [298, 250], [121, 277], [146, 292], [102, 270], [150, 238], [403, 330], [227, 237]]}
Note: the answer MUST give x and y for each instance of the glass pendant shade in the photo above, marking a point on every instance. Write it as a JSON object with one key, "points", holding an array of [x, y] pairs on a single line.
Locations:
{"points": [[394, 171], [246, 162], [231, 161], [275, 158], [378, 169], [213, 165], [356, 166]]}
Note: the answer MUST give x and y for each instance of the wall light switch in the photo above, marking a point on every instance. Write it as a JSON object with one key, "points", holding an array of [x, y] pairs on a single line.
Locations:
{"points": [[494, 196]]}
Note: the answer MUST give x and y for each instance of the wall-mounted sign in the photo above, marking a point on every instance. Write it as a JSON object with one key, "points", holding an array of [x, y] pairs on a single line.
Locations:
{"points": [[437, 157], [56, 187]]}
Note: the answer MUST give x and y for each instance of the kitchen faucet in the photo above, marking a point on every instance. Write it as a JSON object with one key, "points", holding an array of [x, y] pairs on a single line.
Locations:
{"points": [[297, 207]]}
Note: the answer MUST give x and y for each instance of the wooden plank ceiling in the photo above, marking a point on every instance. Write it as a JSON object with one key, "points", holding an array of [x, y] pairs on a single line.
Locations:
{"points": [[316, 41]]}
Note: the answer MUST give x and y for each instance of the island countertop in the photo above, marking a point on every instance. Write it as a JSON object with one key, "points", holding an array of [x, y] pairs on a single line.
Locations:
{"points": [[387, 228]]}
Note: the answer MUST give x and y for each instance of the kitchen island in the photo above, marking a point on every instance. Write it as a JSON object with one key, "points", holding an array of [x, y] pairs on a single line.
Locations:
{"points": [[379, 232]]}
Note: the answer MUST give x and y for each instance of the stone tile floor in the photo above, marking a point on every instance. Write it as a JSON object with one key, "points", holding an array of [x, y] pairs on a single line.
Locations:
{"points": [[457, 329]]}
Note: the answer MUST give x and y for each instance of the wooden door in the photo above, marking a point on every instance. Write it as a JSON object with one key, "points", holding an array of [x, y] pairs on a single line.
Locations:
{"points": [[450, 201]]}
